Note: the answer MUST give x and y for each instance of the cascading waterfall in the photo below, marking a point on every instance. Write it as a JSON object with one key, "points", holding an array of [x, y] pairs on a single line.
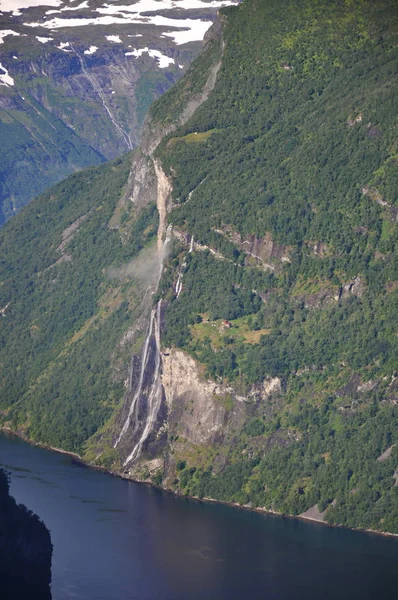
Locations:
{"points": [[154, 395], [144, 361], [155, 392], [102, 97], [178, 287]]}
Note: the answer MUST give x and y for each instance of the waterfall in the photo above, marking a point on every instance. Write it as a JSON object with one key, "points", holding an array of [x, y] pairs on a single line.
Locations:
{"points": [[178, 286], [144, 361], [97, 88], [154, 392], [155, 396]]}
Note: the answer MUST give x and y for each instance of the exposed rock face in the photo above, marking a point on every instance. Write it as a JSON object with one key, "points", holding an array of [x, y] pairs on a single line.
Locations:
{"points": [[25, 550], [196, 410], [263, 250], [314, 514], [321, 299], [142, 184], [386, 454], [203, 414], [140, 426], [355, 288]]}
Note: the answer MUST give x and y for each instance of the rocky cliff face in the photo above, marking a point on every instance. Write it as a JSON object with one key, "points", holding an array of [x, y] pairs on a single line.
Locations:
{"points": [[25, 550], [145, 417]]}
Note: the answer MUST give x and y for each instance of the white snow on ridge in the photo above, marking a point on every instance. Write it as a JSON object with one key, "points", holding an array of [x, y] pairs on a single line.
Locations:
{"points": [[156, 5], [6, 32], [196, 32], [114, 38], [163, 60], [66, 8], [91, 50], [193, 29], [5, 78], [15, 5], [44, 40]]}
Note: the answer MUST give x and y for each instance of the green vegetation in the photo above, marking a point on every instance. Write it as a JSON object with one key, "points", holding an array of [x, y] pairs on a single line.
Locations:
{"points": [[302, 155], [64, 313], [286, 179], [37, 150]]}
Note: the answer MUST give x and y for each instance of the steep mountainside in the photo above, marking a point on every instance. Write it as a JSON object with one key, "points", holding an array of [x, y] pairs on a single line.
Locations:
{"points": [[77, 78], [221, 318], [25, 550]]}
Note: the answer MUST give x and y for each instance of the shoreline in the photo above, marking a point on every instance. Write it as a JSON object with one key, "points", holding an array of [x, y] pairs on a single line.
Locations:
{"points": [[259, 510]]}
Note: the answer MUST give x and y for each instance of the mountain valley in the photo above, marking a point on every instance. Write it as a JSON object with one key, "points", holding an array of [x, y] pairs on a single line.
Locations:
{"points": [[215, 311]]}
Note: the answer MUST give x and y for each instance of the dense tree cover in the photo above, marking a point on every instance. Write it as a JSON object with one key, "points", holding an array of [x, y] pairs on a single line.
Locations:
{"points": [[63, 311], [333, 464], [297, 143], [303, 129]]}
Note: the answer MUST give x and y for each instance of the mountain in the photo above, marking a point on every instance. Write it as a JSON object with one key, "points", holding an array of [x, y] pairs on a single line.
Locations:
{"points": [[216, 311], [25, 550], [77, 78]]}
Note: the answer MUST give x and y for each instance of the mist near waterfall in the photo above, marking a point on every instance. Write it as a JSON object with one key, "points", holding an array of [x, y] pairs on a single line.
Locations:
{"points": [[144, 268]]}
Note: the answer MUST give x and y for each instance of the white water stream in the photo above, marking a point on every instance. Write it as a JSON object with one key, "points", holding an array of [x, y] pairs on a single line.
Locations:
{"points": [[154, 394], [178, 287], [102, 97]]}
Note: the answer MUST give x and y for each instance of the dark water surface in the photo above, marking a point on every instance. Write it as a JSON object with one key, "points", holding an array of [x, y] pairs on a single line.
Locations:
{"points": [[116, 540]]}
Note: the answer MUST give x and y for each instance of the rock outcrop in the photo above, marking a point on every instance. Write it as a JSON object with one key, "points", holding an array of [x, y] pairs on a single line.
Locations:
{"points": [[25, 550]]}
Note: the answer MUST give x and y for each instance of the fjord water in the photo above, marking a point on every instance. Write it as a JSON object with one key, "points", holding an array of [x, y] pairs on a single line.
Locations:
{"points": [[117, 540]]}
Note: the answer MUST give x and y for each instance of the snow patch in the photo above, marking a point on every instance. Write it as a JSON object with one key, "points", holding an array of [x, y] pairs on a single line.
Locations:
{"points": [[63, 46], [192, 29], [5, 78], [6, 32], [195, 32], [15, 6], [114, 38], [91, 50], [163, 60], [65, 8], [44, 40]]}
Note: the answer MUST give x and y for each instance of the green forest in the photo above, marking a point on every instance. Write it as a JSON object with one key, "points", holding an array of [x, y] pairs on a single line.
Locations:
{"points": [[64, 312], [297, 144]]}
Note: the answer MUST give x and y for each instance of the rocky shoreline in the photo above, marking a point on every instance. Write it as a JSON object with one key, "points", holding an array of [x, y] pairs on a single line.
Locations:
{"points": [[263, 511]]}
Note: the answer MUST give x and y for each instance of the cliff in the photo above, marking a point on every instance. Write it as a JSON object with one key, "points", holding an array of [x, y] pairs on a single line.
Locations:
{"points": [[221, 320], [25, 550]]}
